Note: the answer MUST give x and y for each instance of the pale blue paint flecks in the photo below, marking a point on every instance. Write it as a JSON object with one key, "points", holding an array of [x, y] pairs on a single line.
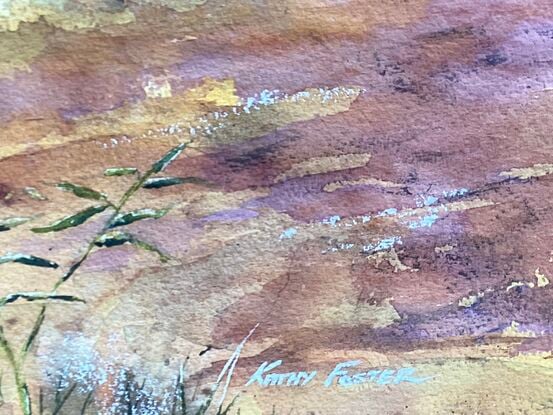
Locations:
{"points": [[430, 200], [288, 233], [332, 220], [425, 222], [455, 192], [388, 212], [383, 244], [407, 217]]}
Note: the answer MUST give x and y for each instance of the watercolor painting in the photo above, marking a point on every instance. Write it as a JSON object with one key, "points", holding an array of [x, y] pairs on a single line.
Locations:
{"points": [[276, 207]]}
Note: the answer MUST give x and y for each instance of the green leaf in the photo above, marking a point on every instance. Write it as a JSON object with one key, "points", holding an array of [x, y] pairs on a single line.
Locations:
{"points": [[136, 215], [9, 223], [37, 296], [113, 238], [116, 238], [171, 155], [28, 260], [120, 171], [73, 220], [148, 247], [157, 182], [81, 191]]}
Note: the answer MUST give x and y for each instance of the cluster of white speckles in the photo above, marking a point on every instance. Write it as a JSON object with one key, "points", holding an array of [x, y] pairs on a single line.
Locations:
{"points": [[76, 362], [115, 141], [141, 399], [214, 121], [332, 221], [380, 245]]}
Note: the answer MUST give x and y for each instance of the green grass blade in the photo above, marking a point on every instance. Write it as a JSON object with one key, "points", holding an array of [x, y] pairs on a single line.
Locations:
{"points": [[120, 171], [181, 387], [30, 260], [159, 182], [38, 296], [71, 221], [167, 159], [81, 191], [9, 223], [25, 398], [58, 395], [151, 248], [136, 215], [40, 401], [113, 238], [62, 401], [87, 402], [1, 393], [228, 408], [34, 332], [116, 238]]}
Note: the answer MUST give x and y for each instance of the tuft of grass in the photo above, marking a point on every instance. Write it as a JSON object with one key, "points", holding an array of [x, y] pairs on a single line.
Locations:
{"points": [[118, 218], [133, 397]]}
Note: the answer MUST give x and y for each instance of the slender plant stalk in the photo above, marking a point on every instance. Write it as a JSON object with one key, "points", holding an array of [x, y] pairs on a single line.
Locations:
{"points": [[64, 398], [87, 402], [16, 364], [41, 402], [21, 385]]}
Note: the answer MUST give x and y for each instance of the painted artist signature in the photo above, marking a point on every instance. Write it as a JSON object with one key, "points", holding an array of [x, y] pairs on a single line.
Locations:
{"points": [[343, 375]]}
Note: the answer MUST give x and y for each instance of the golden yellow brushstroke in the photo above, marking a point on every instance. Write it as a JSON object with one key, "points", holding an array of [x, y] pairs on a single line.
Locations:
{"points": [[17, 50], [173, 116], [255, 122], [132, 119], [319, 165], [371, 181], [217, 92], [537, 170], [64, 14]]}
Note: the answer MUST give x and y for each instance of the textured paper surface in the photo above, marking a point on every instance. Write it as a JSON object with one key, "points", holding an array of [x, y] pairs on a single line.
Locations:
{"points": [[365, 190]]}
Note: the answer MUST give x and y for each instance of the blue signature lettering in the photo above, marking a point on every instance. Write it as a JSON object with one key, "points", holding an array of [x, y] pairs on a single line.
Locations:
{"points": [[340, 376]]}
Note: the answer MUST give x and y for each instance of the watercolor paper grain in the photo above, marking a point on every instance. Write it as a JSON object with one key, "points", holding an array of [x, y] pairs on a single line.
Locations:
{"points": [[276, 207]]}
